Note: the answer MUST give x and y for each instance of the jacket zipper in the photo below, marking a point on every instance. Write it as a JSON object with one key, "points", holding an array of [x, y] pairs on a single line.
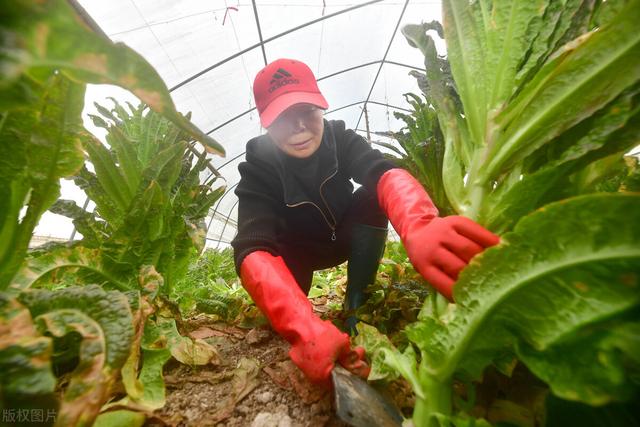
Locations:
{"points": [[331, 226]]}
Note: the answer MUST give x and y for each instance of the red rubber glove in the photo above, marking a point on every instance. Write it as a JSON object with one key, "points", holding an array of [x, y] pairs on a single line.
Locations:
{"points": [[315, 344], [439, 248]]}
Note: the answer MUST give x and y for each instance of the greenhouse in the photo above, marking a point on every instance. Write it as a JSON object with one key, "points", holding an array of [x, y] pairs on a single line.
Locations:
{"points": [[208, 56], [320, 213]]}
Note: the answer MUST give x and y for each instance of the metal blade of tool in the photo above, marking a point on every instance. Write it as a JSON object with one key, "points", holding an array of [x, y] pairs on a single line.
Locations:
{"points": [[359, 404]]}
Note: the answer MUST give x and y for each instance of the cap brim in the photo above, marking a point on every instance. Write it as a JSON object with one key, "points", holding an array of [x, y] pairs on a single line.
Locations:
{"points": [[286, 100]]}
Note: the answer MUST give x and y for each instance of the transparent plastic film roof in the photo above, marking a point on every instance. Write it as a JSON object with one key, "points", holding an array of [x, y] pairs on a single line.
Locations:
{"points": [[208, 53]]}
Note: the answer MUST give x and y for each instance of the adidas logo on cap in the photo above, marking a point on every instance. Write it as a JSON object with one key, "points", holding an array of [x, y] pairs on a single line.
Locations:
{"points": [[281, 78]]}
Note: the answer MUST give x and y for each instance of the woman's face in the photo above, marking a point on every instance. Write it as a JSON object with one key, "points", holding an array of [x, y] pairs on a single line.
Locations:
{"points": [[298, 130]]}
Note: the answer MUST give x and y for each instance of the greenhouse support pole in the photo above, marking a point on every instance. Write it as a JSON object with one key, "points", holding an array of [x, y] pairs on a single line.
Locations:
{"points": [[366, 123], [225, 224]]}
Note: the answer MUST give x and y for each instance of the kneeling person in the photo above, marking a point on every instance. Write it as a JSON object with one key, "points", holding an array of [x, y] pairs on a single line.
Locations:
{"points": [[298, 213]]}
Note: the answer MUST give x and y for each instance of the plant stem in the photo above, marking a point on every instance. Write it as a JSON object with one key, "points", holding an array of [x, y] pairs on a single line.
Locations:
{"points": [[420, 413], [476, 197], [477, 183], [437, 401]]}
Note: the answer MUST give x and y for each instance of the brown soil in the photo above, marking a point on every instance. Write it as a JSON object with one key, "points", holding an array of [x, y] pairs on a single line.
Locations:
{"points": [[256, 384]]}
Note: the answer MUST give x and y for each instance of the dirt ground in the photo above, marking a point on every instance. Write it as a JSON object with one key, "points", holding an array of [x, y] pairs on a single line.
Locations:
{"points": [[255, 384]]}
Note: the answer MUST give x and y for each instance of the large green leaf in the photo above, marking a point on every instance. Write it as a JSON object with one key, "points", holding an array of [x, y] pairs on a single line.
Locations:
{"points": [[104, 321], [550, 105], [165, 167], [38, 267], [582, 77], [109, 174], [507, 27], [380, 348], [534, 98], [486, 44], [145, 386], [507, 205], [40, 37], [14, 186], [581, 22], [546, 30], [438, 86], [458, 145], [184, 349], [606, 11], [151, 377], [120, 418], [605, 366], [593, 134], [605, 175], [105, 207], [127, 157], [466, 44], [109, 309], [562, 284], [142, 374], [612, 131], [204, 202], [133, 385]]}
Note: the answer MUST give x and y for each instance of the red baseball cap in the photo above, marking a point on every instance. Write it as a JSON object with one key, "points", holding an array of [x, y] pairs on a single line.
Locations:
{"points": [[281, 84]]}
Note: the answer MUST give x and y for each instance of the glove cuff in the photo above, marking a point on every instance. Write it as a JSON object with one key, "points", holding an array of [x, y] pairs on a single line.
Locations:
{"points": [[276, 293], [404, 201]]}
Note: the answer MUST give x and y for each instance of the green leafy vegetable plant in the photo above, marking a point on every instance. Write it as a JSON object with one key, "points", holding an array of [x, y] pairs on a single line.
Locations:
{"points": [[537, 102], [149, 217], [47, 55], [395, 298], [150, 204], [545, 89], [212, 286]]}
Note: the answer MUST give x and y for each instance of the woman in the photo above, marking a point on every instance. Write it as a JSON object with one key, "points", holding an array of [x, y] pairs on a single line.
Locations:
{"points": [[298, 213]]}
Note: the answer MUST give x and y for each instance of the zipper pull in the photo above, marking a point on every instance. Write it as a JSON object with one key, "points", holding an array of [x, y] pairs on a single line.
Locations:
{"points": [[333, 236]]}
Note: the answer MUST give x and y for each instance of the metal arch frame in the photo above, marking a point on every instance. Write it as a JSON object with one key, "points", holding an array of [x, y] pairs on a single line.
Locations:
{"points": [[265, 41], [375, 80], [218, 204], [89, 20], [225, 223], [209, 239]]}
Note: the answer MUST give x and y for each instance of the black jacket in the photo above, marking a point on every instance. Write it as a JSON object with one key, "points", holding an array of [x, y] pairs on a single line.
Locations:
{"points": [[281, 196]]}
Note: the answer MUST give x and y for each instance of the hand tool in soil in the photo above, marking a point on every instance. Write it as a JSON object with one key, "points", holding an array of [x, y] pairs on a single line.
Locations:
{"points": [[359, 404]]}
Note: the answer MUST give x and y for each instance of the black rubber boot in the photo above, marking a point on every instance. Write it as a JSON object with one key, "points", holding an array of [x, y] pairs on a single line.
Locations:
{"points": [[367, 247]]}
